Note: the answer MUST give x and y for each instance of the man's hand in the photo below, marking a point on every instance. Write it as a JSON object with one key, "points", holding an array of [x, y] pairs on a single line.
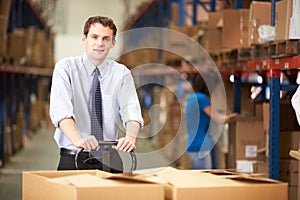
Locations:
{"points": [[89, 143], [126, 144]]}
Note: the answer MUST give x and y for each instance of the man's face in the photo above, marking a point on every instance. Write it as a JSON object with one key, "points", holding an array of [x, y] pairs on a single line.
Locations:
{"points": [[98, 43]]}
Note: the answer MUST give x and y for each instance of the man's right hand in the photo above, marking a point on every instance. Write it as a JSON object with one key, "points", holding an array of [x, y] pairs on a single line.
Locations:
{"points": [[89, 143], [69, 128]]}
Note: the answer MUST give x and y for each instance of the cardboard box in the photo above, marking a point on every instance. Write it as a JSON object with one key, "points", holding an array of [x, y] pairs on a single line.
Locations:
{"points": [[3, 35], [288, 119], [16, 45], [250, 139], [213, 34], [293, 193], [84, 184], [288, 140], [214, 20], [296, 154], [180, 39], [217, 185], [261, 168], [5, 7], [235, 28], [256, 167], [213, 40], [288, 171], [260, 14], [282, 19]]}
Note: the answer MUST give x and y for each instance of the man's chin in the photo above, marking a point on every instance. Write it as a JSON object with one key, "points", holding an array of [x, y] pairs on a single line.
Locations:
{"points": [[98, 55]]}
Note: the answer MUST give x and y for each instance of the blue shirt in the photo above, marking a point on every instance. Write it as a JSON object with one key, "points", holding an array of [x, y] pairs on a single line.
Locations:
{"points": [[197, 122], [70, 91]]}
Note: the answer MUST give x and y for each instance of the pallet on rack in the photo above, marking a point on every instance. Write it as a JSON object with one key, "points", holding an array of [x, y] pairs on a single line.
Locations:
{"points": [[284, 48], [265, 51], [256, 51], [244, 54], [224, 56]]}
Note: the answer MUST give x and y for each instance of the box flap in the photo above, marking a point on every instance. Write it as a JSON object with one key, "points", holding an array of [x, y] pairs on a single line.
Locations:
{"points": [[295, 154], [189, 179], [82, 180], [253, 179], [150, 178]]}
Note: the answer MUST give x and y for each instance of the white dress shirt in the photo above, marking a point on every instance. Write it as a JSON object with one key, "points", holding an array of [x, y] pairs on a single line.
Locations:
{"points": [[296, 104], [70, 91]]}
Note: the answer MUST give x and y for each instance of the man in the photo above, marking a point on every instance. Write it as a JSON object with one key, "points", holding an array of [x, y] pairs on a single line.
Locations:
{"points": [[70, 101]]}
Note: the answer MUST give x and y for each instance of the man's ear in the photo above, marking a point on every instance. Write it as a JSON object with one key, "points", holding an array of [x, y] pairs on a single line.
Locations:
{"points": [[83, 39]]}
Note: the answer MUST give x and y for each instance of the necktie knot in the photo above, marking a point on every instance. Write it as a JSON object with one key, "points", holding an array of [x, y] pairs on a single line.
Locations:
{"points": [[96, 72]]}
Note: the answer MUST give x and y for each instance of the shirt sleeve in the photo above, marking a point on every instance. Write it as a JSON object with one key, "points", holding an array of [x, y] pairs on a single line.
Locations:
{"points": [[61, 94], [130, 108]]}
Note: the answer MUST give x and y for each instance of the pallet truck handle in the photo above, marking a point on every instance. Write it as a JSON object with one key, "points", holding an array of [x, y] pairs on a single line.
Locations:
{"points": [[111, 143]]}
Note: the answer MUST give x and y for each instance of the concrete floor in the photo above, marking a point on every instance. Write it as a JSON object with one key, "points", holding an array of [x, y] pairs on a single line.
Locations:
{"points": [[42, 154]]}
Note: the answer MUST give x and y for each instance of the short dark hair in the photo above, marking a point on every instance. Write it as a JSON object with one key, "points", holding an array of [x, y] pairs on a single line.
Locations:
{"points": [[199, 85], [105, 21], [212, 79]]}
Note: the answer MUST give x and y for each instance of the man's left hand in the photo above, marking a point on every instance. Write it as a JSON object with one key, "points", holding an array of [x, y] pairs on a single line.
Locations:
{"points": [[126, 144]]}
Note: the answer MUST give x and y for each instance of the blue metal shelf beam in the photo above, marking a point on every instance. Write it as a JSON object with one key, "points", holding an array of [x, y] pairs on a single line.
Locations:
{"points": [[182, 12], [238, 4], [274, 134], [2, 116]]}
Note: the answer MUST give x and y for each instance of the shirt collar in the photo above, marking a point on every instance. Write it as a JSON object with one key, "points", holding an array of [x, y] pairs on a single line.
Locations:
{"points": [[90, 67]]}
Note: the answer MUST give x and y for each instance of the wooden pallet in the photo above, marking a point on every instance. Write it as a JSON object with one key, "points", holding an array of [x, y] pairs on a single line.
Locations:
{"points": [[284, 48], [256, 51], [265, 51], [244, 54], [224, 56]]}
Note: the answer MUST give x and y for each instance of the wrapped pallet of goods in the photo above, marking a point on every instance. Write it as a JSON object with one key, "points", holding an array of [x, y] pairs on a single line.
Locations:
{"points": [[294, 21]]}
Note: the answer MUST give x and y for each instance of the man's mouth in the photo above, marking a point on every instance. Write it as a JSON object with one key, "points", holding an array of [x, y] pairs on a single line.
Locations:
{"points": [[99, 50]]}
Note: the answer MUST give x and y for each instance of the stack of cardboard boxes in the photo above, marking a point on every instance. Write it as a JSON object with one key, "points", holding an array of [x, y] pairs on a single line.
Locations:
{"points": [[289, 139], [240, 28], [28, 46], [35, 48]]}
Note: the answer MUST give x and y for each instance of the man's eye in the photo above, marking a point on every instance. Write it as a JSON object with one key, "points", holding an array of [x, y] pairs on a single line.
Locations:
{"points": [[106, 39]]}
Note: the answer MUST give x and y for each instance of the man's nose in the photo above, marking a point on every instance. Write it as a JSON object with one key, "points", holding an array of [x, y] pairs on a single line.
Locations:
{"points": [[99, 42]]}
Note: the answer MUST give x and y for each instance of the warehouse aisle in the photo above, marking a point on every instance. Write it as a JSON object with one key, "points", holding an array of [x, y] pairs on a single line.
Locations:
{"points": [[40, 153]]}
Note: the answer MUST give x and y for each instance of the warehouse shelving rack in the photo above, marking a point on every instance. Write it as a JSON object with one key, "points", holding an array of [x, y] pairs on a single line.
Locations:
{"points": [[17, 82], [271, 66], [271, 69], [274, 66]]}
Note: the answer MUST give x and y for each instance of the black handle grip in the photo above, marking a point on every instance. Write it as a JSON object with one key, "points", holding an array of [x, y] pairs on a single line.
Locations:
{"points": [[110, 143]]}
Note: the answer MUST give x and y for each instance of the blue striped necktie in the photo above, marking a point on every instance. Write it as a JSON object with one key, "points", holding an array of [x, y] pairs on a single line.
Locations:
{"points": [[96, 114]]}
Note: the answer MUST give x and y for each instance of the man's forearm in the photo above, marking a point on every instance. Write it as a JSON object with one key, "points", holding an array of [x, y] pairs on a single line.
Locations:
{"points": [[132, 130], [69, 129]]}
